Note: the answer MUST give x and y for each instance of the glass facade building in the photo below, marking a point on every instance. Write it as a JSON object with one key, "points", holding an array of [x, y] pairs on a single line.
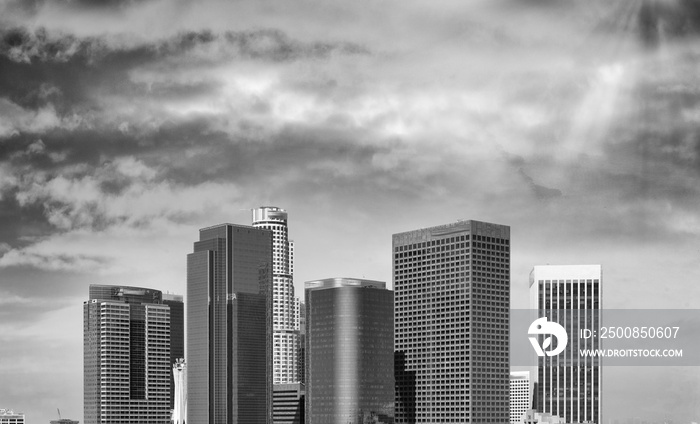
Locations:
{"points": [[126, 349], [349, 351], [452, 300], [229, 326], [569, 386]]}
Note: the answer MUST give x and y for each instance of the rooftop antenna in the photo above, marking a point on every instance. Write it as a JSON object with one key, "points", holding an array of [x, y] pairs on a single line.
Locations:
{"points": [[59, 413]]}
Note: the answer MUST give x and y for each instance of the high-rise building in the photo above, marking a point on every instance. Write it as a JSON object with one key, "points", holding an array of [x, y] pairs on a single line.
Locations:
{"points": [[288, 404], [180, 392], [349, 351], [451, 309], [177, 335], [285, 307], [302, 343], [8, 416], [520, 396], [568, 386], [126, 348], [229, 326]]}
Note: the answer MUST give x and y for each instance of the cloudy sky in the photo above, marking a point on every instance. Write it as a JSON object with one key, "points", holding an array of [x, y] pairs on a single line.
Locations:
{"points": [[125, 126]]}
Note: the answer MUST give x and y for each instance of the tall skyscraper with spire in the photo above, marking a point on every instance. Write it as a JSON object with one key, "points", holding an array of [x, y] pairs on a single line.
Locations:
{"points": [[229, 326], [451, 309], [285, 306]]}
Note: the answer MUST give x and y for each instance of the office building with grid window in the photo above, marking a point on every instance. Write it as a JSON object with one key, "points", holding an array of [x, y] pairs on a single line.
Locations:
{"points": [[126, 349], [229, 326], [349, 351], [451, 312], [520, 396], [568, 386]]}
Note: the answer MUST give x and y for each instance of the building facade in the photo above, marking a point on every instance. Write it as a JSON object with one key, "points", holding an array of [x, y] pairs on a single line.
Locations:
{"points": [[451, 309], [180, 392], [177, 335], [349, 352], [126, 348], [285, 307], [520, 396], [288, 403], [229, 326], [301, 361], [567, 386], [8, 416]]}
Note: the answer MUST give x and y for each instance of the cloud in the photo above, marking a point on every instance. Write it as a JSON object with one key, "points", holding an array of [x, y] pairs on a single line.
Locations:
{"points": [[16, 119]]}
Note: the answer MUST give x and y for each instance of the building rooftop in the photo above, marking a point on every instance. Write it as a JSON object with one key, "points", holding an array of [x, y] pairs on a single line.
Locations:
{"points": [[329, 283]]}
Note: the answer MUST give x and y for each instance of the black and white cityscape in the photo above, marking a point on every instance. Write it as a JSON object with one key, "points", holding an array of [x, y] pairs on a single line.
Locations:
{"points": [[326, 212]]}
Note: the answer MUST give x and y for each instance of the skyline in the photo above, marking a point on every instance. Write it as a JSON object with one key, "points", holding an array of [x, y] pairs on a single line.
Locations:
{"points": [[127, 126]]}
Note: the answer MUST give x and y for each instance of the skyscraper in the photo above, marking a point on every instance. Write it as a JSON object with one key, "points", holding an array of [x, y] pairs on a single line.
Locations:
{"points": [[452, 299], [285, 307], [349, 351], [126, 348], [229, 326], [177, 335], [569, 386], [302, 343], [520, 395], [288, 404]]}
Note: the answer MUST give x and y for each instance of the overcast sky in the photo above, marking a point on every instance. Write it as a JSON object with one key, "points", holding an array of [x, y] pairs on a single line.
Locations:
{"points": [[125, 126]]}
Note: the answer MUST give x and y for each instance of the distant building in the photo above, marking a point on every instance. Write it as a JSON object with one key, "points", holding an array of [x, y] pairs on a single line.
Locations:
{"points": [[177, 334], [64, 421], [534, 417], [180, 392], [569, 387], [452, 314], [229, 326], [288, 403], [520, 396], [7, 416], [302, 343], [349, 351], [126, 349]]}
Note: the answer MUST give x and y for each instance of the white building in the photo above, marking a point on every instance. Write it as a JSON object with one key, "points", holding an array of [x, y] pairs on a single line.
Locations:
{"points": [[7, 416], [520, 395], [568, 386], [180, 392], [285, 307]]}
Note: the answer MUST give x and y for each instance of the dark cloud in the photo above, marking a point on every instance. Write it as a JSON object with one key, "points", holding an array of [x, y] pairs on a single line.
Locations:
{"points": [[518, 162], [76, 75], [21, 225], [101, 3], [540, 192], [675, 19]]}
